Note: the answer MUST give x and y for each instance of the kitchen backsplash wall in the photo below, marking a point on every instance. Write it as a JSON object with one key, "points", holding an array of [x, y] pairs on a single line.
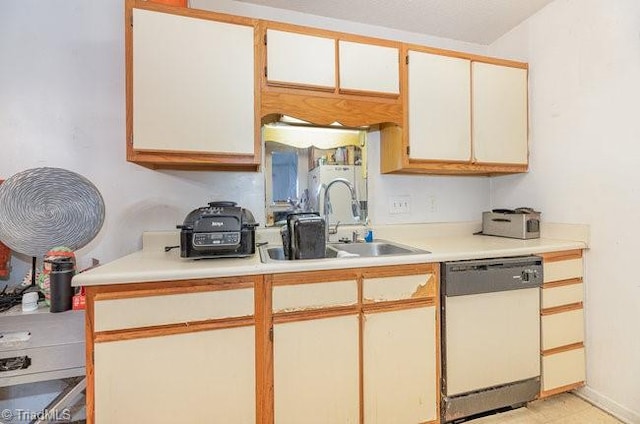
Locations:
{"points": [[62, 105]]}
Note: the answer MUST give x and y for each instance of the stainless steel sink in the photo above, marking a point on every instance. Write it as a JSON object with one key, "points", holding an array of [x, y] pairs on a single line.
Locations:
{"points": [[376, 248], [276, 253], [345, 250]]}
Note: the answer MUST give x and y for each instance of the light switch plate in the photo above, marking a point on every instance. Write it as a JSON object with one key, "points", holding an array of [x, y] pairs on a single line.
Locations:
{"points": [[399, 205]]}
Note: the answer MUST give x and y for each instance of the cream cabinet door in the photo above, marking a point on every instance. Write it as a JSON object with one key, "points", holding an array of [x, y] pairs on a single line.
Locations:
{"points": [[204, 377], [369, 67], [399, 358], [193, 84], [500, 125], [439, 107], [316, 371], [294, 58]]}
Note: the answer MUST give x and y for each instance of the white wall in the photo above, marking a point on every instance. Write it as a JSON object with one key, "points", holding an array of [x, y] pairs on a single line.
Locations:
{"points": [[62, 102], [584, 59]]}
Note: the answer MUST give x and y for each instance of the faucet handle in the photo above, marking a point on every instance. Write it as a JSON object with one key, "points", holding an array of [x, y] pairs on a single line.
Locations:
{"points": [[333, 230]]}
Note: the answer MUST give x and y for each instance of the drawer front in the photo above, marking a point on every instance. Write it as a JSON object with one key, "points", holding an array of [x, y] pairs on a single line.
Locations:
{"points": [[562, 270], [302, 297], [43, 360], [562, 369], [563, 295], [562, 329], [118, 314], [387, 289]]}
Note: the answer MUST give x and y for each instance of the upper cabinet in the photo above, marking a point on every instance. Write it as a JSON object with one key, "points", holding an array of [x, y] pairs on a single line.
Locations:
{"points": [[439, 107], [325, 62], [324, 77], [465, 114], [369, 68], [191, 91], [201, 84], [298, 59], [500, 123]]}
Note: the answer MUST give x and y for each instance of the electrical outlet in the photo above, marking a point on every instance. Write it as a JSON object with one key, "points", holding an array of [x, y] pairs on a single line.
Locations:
{"points": [[399, 205]]}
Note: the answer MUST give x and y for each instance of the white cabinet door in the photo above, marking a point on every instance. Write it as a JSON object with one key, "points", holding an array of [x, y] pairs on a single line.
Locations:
{"points": [[294, 58], [439, 107], [368, 67], [500, 124], [193, 84], [399, 355], [316, 372], [204, 377]]}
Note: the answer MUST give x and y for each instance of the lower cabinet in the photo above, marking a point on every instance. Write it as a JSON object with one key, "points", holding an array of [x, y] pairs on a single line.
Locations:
{"points": [[315, 365], [399, 375], [200, 377], [356, 346], [170, 352], [341, 346], [562, 323]]}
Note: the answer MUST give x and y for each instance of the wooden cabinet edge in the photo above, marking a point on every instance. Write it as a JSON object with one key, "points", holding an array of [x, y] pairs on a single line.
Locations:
{"points": [[562, 389], [562, 309], [561, 349], [561, 255], [562, 283], [327, 108]]}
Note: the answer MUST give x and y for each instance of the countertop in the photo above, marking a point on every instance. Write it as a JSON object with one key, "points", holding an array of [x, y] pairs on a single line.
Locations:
{"points": [[446, 242]]}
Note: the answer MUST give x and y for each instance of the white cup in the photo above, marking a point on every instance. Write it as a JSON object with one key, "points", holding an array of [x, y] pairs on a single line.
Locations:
{"points": [[29, 302]]}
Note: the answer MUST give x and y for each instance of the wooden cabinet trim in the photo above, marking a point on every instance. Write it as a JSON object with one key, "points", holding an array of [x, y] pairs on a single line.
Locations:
{"points": [[564, 255], [470, 56], [264, 351], [331, 312], [192, 13], [171, 329], [562, 309], [310, 277], [561, 283], [558, 390], [561, 349], [397, 305], [324, 108], [399, 270], [133, 290], [336, 35]]}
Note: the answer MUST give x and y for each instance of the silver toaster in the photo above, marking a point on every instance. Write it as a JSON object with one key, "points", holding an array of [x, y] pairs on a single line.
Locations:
{"points": [[520, 223]]}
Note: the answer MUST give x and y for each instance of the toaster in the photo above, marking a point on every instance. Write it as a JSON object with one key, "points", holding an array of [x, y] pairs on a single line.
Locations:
{"points": [[520, 223], [220, 230]]}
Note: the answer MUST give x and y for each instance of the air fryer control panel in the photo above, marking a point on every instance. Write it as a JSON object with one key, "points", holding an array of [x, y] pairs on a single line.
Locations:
{"points": [[215, 239]]}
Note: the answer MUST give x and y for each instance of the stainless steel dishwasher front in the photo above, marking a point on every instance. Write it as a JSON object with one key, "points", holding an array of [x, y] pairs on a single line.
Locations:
{"points": [[490, 334]]}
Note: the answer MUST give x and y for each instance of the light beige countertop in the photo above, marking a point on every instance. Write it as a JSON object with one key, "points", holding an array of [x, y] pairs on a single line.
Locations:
{"points": [[446, 242]]}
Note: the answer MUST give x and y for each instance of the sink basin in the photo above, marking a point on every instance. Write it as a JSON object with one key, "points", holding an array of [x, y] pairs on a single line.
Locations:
{"points": [[276, 253], [376, 248], [345, 250]]}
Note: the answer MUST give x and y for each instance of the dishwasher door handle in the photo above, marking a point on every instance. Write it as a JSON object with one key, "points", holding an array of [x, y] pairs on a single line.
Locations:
{"points": [[529, 275]]}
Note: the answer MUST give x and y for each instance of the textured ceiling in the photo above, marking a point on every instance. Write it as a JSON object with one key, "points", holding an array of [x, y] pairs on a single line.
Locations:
{"points": [[475, 21]]}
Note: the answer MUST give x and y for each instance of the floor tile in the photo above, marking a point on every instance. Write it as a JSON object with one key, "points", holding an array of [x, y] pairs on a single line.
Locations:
{"points": [[564, 408]]}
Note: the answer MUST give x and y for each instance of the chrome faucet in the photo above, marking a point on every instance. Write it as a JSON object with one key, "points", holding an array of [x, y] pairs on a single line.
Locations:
{"points": [[327, 209]]}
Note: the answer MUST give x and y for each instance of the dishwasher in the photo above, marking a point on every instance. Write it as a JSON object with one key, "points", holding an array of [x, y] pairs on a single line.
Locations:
{"points": [[490, 335]]}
